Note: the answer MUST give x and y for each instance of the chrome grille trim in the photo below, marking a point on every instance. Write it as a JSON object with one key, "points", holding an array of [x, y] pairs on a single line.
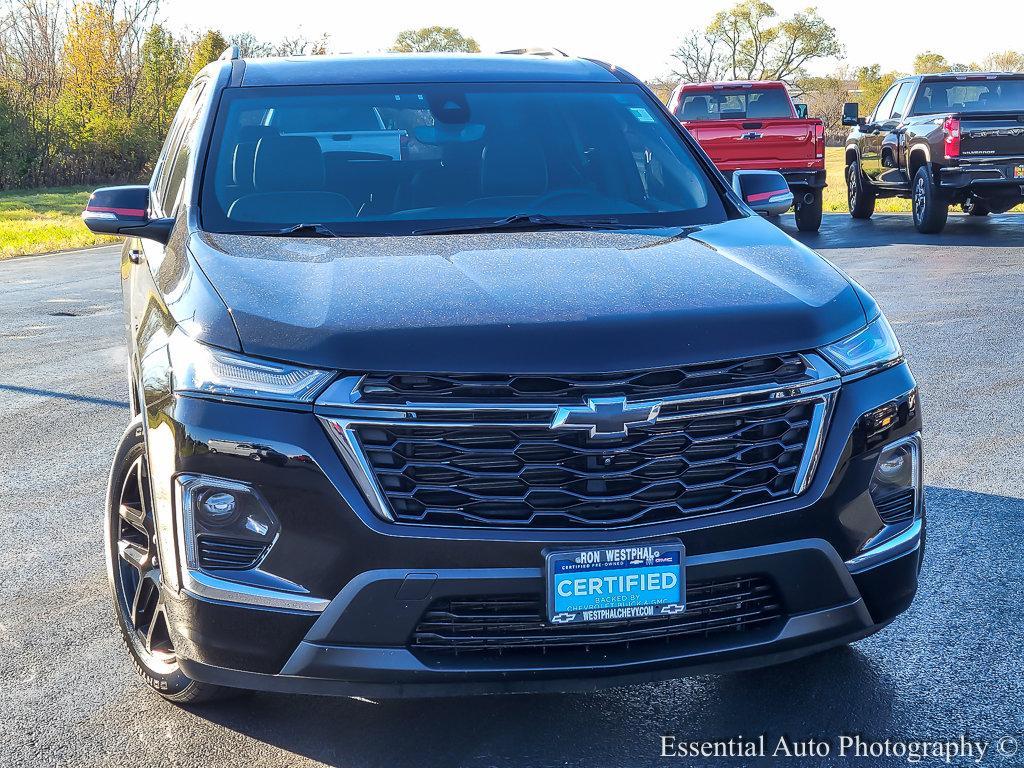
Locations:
{"points": [[342, 412]]}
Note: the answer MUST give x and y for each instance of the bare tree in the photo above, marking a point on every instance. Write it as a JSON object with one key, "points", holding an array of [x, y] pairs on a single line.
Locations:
{"points": [[825, 97], [31, 42], [699, 58]]}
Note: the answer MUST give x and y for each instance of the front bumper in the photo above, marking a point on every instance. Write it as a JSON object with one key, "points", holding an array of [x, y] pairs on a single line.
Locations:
{"points": [[831, 608], [377, 578]]}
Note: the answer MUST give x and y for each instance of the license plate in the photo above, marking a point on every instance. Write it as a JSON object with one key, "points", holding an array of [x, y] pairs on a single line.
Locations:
{"points": [[616, 583], [1018, 172]]}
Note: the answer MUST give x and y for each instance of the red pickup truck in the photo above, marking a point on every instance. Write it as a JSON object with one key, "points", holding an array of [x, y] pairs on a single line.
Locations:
{"points": [[754, 125]]}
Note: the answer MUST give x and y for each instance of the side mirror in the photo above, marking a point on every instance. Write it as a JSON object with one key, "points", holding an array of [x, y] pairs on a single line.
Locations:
{"points": [[764, 191], [125, 211], [851, 112], [801, 111]]}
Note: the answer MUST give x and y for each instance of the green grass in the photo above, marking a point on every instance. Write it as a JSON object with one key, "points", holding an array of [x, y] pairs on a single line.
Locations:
{"points": [[834, 200], [49, 219], [44, 220]]}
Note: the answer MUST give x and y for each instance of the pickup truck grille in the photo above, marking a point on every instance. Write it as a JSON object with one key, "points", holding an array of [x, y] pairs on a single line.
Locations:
{"points": [[589, 460]]}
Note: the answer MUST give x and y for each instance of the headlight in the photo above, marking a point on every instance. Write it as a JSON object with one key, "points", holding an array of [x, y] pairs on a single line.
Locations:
{"points": [[870, 347], [199, 368]]}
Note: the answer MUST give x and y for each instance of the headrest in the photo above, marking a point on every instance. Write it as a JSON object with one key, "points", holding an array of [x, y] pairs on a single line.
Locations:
{"points": [[243, 163], [696, 109], [288, 164], [513, 169]]}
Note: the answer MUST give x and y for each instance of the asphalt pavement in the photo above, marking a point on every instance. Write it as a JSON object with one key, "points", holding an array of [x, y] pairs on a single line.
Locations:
{"points": [[950, 666]]}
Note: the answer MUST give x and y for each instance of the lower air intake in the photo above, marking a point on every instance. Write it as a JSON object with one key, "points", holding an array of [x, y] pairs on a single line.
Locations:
{"points": [[508, 623]]}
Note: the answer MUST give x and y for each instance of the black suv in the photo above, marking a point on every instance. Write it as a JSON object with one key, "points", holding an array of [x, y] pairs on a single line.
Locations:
{"points": [[471, 374], [940, 140]]}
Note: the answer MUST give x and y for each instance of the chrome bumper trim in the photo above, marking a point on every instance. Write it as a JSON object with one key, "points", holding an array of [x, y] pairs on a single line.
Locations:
{"points": [[203, 585], [899, 545]]}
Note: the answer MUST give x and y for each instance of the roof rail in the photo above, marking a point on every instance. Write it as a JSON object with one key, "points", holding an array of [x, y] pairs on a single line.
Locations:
{"points": [[550, 52], [231, 53]]}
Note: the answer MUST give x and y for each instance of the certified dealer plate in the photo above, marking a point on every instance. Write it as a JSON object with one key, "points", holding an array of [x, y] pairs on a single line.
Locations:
{"points": [[616, 583]]}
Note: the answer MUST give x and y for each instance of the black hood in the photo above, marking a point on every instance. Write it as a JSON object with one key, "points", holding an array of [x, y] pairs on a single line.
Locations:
{"points": [[544, 302]]}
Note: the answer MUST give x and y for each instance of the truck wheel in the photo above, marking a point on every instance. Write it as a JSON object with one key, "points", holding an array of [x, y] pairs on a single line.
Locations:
{"points": [[859, 192], [972, 206], [808, 215], [930, 210]]}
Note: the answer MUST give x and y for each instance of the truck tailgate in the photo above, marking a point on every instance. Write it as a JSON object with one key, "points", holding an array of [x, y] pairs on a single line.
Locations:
{"points": [[991, 135], [764, 144]]}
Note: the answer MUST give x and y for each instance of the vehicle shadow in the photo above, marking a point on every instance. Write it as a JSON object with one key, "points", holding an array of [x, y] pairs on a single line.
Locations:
{"points": [[621, 726], [929, 674], [53, 393], [839, 230]]}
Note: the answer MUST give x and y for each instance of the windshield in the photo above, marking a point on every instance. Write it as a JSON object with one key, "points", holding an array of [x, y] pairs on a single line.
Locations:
{"points": [[397, 159], [970, 96], [733, 104]]}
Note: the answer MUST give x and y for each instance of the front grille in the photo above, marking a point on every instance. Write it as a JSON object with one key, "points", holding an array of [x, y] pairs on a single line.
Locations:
{"points": [[534, 476], [662, 382], [216, 552], [504, 623], [897, 508]]}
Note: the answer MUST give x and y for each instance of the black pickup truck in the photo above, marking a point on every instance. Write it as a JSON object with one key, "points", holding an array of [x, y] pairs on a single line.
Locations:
{"points": [[940, 140]]}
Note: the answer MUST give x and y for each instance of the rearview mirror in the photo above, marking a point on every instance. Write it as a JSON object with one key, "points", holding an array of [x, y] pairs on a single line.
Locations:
{"points": [[851, 112], [801, 111], [764, 191], [124, 211]]}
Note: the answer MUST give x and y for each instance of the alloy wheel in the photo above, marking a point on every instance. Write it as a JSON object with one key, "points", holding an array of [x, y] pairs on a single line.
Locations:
{"points": [[137, 570], [851, 186], [920, 198]]}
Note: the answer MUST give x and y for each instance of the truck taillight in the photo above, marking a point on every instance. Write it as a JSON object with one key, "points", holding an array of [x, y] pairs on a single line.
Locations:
{"points": [[819, 140], [951, 127]]}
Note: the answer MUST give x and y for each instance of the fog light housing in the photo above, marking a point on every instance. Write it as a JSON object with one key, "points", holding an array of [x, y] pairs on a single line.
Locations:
{"points": [[225, 525], [895, 486]]}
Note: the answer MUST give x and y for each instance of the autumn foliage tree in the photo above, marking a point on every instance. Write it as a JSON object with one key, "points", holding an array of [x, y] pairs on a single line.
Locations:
{"points": [[750, 42], [436, 39], [88, 88]]}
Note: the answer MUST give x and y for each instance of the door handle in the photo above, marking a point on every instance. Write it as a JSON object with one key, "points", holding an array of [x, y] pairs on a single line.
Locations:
{"points": [[135, 255]]}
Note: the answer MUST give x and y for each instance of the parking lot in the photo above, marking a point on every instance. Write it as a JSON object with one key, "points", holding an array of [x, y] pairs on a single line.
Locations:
{"points": [[949, 666]]}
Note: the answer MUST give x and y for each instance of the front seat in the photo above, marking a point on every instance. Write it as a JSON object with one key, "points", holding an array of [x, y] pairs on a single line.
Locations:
{"points": [[288, 178], [513, 170], [696, 109]]}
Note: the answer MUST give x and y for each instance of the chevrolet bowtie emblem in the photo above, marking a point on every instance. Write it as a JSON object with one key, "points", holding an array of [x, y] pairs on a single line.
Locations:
{"points": [[605, 417]]}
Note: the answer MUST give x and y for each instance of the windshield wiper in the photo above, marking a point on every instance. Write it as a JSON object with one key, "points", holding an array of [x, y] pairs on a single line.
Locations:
{"points": [[528, 221], [300, 230]]}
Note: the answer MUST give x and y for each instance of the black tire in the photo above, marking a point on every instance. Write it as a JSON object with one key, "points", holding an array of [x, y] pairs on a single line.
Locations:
{"points": [[133, 570], [974, 207], [808, 215], [860, 195], [930, 209]]}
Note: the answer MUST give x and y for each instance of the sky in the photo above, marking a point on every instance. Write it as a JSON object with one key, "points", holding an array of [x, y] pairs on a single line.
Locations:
{"points": [[639, 36]]}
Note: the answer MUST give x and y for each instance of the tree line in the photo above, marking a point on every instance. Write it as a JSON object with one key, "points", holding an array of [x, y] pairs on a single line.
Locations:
{"points": [[88, 89]]}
